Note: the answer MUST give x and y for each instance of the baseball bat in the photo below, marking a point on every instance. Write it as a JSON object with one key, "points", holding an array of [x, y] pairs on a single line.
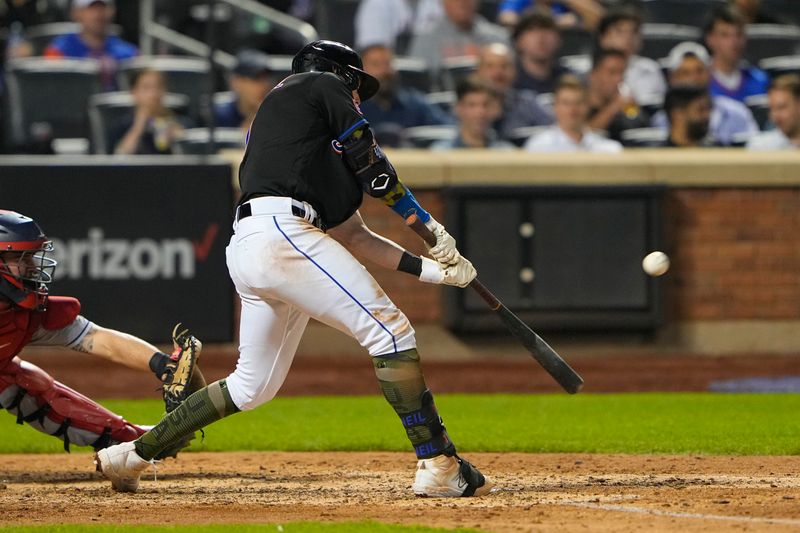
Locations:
{"points": [[546, 356]]}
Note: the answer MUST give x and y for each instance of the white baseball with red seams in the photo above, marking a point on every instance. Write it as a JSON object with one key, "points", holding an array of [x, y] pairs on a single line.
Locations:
{"points": [[285, 271]]}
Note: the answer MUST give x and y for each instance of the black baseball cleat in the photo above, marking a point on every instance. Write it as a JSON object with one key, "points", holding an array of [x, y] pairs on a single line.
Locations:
{"points": [[446, 476]]}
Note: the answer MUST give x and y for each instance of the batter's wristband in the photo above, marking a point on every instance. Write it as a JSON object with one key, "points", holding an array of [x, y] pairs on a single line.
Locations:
{"points": [[431, 272], [411, 264]]}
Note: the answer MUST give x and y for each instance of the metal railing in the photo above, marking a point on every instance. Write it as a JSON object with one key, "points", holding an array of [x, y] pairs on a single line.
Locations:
{"points": [[152, 31]]}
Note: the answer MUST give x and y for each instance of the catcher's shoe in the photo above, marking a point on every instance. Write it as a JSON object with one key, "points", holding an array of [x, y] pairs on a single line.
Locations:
{"points": [[447, 477], [181, 366], [122, 465]]}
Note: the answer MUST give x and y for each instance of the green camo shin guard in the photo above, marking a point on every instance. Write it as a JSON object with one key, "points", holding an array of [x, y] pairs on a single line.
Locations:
{"points": [[205, 406], [403, 386]]}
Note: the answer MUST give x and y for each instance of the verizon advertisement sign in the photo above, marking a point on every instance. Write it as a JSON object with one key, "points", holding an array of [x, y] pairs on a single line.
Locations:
{"points": [[142, 246]]}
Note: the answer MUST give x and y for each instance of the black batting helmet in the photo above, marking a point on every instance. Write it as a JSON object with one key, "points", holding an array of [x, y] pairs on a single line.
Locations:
{"points": [[330, 56], [25, 268]]}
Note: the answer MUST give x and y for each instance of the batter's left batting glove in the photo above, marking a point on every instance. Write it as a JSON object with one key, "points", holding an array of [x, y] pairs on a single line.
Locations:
{"points": [[444, 251], [181, 366]]}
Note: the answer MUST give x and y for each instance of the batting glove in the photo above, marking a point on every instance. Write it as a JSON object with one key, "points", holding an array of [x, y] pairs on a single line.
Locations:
{"points": [[458, 275], [444, 251]]}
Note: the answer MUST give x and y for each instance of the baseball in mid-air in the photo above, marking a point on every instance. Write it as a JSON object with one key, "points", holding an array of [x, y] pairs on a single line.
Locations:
{"points": [[656, 263]]}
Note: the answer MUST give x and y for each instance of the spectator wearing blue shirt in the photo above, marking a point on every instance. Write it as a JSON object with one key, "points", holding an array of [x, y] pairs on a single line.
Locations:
{"points": [[394, 107], [568, 13], [94, 40], [250, 81], [730, 75], [476, 108]]}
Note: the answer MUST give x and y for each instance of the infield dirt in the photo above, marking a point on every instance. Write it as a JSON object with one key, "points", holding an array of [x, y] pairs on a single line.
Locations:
{"points": [[551, 492]]}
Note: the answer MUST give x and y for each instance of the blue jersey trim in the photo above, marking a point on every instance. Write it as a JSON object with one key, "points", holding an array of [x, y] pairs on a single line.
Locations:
{"points": [[394, 342], [349, 130]]}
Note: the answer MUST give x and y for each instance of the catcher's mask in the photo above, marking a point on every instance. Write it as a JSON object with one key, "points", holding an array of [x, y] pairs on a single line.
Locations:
{"points": [[330, 56], [25, 268]]}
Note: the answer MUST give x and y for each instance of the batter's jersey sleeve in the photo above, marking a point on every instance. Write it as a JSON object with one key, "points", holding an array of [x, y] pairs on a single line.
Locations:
{"points": [[69, 336], [335, 103]]}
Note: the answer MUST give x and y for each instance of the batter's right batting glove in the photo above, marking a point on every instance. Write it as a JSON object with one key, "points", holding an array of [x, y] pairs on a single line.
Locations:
{"points": [[181, 366]]}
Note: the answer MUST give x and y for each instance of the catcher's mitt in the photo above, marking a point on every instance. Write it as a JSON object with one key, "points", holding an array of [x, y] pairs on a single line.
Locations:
{"points": [[181, 366]]}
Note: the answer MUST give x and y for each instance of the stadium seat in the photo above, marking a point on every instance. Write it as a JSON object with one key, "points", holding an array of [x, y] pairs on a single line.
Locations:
{"points": [[193, 141], [644, 137], [775, 66], [686, 12], [49, 97], [575, 41], [281, 66], [413, 72], [335, 20], [424, 136], [108, 110], [579, 64], [520, 135], [658, 39], [784, 10], [759, 106], [41, 35], [455, 69], [770, 40], [185, 75], [443, 99]]}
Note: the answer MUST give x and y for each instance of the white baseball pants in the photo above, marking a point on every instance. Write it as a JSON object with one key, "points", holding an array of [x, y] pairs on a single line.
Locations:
{"points": [[285, 271]]}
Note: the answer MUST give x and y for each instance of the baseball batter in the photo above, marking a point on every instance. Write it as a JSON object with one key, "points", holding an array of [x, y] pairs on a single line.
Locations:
{"points": [[29, 316], [310, 157]]}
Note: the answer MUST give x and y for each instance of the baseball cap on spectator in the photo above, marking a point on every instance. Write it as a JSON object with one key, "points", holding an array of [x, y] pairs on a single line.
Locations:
{"points": [[688, 48], [87, 3], [252, 64]]}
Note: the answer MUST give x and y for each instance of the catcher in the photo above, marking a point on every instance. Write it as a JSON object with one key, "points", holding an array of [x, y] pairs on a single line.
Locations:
{"points": [[29, 316]]}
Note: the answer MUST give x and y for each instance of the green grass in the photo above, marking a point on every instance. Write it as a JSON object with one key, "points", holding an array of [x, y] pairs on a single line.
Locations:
{"points": [[294, 527], [702, 423]]}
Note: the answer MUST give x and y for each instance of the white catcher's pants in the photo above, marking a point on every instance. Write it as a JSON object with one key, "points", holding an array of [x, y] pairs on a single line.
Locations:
{"points": [[285, 271]]}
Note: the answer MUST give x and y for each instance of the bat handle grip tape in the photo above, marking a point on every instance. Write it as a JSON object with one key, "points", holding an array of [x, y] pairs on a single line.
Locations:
{"points": [[422, 230]]}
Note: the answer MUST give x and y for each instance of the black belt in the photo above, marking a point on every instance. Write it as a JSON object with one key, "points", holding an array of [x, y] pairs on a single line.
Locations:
{"points": [[245, 211]]}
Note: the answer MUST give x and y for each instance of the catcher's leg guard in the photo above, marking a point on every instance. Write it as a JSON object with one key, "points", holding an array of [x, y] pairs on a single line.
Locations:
{"points": [[51, 407], [403, 386]]}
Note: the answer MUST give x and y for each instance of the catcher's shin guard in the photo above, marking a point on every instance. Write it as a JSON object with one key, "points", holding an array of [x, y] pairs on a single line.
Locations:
{"points": [[51, 407]]}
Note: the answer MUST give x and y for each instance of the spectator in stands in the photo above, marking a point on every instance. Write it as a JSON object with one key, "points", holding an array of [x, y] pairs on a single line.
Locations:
{"points": [[537, 39], [394, 107], [784, 112], [460, 33], [390, 22], [94, 40], [731, 120], [476, 108], [519, 107], [571, 133], [689, 110], [152, 128], [568, 13], [611, 106], [620, 29], [730, 76], [753, 12], [251, 80]]}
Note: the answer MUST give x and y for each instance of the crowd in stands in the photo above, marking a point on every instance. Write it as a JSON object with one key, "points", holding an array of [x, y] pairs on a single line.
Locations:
{"points": [[536, 75]]}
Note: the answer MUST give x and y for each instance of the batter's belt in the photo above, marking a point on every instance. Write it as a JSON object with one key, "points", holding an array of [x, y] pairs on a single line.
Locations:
{"points": [[279, 205]]}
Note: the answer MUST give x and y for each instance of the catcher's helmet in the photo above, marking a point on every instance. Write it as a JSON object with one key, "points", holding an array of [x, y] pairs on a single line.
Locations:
{"points": [[25, 268], [330, 56]]}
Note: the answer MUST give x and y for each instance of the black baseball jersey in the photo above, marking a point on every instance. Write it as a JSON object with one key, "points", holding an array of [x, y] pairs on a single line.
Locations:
{"points": [[294, 147]]}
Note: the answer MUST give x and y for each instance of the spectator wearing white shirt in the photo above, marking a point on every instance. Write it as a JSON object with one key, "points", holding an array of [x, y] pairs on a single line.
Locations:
{"points": [[390, 22], [784, 112], [731, 120], [571, 132], [620, 29], [461, 33]]}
